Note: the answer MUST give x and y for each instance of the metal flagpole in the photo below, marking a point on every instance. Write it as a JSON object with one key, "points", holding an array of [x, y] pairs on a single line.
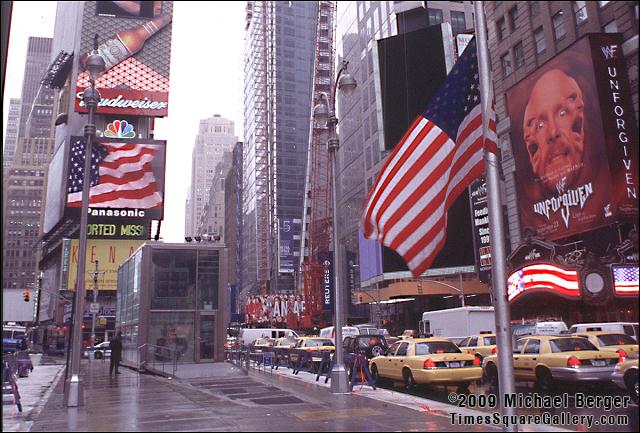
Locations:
{"points": [[498, 256]]}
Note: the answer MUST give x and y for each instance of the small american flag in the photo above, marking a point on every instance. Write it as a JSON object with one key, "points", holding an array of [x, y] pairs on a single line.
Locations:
{"points": [[625, 279], [121, 175], [439, 156]]}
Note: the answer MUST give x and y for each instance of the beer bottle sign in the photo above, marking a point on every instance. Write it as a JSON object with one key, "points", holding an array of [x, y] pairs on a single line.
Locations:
{"points": [[128, 42]]}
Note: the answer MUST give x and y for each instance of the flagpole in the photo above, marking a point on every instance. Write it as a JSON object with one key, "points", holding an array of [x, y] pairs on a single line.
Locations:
{"points": [[498, 256]]}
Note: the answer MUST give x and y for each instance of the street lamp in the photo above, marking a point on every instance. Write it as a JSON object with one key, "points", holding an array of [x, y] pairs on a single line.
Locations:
{"points": [[325, 112], [91, 97], [449, 286]]}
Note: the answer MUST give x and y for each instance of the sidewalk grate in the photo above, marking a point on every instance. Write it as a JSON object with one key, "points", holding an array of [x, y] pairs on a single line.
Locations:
{"points": [[277, 400]]}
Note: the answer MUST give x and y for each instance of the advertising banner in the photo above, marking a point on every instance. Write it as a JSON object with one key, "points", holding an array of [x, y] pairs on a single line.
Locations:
{"points": [[327, 280], [127, 178], [480, 223], [110, 255], [273, 309], [286, 258], [134, 39], [576, 167], [106, 229]]}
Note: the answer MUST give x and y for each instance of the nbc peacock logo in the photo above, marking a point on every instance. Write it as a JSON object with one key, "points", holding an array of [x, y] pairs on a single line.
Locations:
{"points": [[120, 129]]}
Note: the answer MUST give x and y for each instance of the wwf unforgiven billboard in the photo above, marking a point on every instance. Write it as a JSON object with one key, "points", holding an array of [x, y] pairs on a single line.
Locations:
{"points": [[575, 140]]}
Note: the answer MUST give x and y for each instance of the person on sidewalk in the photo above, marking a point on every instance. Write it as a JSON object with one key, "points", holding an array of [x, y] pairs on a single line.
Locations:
{"points": [[116, 353]]}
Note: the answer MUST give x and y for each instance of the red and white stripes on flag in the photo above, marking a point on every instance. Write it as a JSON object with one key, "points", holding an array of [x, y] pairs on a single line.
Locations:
{"points": [[406, 209], [126, 178]]}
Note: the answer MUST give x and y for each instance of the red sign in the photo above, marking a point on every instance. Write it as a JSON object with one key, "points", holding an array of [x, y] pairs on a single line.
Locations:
{"points": [[128, 102]]}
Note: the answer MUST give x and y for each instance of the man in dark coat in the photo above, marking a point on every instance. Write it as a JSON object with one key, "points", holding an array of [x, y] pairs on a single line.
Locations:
{"points": [[116, 353]]}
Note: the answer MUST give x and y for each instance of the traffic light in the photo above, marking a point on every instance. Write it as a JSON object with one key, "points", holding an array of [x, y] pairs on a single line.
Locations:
{"points": [[26, 296]]}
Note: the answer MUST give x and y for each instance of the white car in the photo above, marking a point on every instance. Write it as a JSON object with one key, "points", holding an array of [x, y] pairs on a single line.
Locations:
{"points": [[99, 351]]}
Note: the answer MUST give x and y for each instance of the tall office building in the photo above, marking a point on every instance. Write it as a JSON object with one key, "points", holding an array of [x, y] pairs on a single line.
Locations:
{"points": [[11, 134], [24, 186], [279, 49], [212, 220], [215, 137]]}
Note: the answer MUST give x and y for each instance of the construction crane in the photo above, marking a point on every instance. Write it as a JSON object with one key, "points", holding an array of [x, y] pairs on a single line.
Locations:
{"points": [[317, 220]]}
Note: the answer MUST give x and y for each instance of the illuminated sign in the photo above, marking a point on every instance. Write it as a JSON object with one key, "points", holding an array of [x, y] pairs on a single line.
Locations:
{"points": [[118, 230], [127, 178], [129, 102], [625, 280], [543, 277], [120, 129]]}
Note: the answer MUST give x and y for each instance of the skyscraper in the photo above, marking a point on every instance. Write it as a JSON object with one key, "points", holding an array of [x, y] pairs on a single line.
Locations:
{"points": [[215, 137], [279, 49], [11, 134], [24, 186]]}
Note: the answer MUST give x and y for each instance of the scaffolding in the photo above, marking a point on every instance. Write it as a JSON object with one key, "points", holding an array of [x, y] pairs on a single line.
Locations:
{"points": [[317, 212]]}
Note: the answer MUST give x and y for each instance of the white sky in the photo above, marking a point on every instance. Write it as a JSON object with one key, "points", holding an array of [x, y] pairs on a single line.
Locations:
{"points": [[206, 79]]}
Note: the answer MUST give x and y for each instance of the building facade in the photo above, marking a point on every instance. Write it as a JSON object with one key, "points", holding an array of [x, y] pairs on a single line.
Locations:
{"points": [[215, 138], [279, 47]]}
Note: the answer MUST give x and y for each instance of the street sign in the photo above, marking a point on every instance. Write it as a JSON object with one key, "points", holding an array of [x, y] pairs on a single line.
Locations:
{"points": [[94, 308]]}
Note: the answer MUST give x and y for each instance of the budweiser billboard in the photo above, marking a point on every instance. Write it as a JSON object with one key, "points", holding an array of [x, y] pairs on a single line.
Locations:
{"points": [[574, 140], [134, 39]]}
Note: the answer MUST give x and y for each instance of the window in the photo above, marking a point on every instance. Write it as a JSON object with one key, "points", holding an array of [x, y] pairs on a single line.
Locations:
{"points": [[513, 16], [505, 61], [402, 350], [518, 52], [473, 342], [458, 24], [610, 27], [558, 26], [535, 8], [533, 346], [502, 29], [603, 4], [538, 35], [435, 16], [580, 10]]}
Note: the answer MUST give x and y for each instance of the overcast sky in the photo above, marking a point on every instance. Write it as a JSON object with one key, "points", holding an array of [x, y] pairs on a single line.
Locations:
{"points": [[206, 79]]}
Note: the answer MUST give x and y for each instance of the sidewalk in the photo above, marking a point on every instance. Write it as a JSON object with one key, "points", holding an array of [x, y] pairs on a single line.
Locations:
{"points": [[133, 402], [34, 392]]}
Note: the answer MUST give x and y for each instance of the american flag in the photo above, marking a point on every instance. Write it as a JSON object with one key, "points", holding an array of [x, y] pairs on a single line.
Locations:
{"points": [[543, 277], [439, 156], [121, 175], [625, 279]]}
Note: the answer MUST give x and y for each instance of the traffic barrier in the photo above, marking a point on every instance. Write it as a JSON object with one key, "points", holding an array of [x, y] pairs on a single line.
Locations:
{"points": [[359, 372]]}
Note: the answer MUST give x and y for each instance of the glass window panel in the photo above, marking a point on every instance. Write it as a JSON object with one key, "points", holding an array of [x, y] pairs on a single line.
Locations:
{"points": [[580, 10], [173, 279], [558, 25], [518, 52], [435, 16], [208, 273], [540, 42], [174, 331]]}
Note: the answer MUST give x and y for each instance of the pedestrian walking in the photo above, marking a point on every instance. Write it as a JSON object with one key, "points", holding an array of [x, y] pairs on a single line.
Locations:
{"points": [[116, 353]]}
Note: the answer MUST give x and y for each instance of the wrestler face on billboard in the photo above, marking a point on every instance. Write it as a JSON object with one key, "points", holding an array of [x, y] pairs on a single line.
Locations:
{"points": [[554, 130]]}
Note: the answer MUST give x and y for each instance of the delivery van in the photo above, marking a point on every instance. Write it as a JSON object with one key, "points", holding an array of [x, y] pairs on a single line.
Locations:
{"points": [[249, 335]]}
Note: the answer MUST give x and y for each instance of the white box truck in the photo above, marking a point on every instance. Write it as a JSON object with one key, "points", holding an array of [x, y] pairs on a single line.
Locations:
{"points": [[457, 323]]}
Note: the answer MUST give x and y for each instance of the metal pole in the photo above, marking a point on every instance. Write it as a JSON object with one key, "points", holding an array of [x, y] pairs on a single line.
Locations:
{"points": [[496, 224], [75, 396], [339, 380], [461, 291], [93, 315]]}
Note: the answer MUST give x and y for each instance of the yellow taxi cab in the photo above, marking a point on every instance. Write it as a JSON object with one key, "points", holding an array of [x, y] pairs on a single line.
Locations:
{"points": [[622, 344], [480, 345], [625, 375], [313, 344], [426, 361], [261, 344], [546, 359]]}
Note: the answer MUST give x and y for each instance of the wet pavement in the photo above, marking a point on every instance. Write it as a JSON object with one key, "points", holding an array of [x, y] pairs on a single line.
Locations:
{"points": [[254, 402]]}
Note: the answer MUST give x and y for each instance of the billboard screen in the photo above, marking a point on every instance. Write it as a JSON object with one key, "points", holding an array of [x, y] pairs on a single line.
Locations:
{"points": [[543, 277], [110, 255], [574, 163], [127, 178], [137, 55]]}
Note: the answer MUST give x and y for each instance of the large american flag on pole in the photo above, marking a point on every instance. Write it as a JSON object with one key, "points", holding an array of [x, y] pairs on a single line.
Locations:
{"points": [[121, 175], [438, 157]]}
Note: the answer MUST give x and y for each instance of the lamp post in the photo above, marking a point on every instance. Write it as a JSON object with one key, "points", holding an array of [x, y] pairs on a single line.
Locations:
{"points": [[449, 286], [325, 111], [95, 65]]}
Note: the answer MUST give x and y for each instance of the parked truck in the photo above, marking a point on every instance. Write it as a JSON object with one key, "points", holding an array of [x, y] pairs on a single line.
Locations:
{"points": [[457, 323]]}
